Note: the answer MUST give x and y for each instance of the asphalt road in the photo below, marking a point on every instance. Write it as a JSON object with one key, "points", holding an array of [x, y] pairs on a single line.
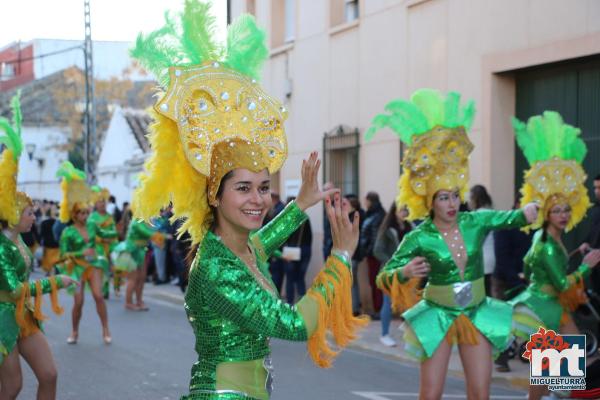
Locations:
{"points": [[152, 352]]}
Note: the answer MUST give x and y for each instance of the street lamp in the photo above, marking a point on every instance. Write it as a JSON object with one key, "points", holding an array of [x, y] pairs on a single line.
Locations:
{"points": [[30, 149]]}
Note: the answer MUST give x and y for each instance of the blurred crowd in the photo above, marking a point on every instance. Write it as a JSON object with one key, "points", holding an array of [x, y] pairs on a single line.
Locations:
{"points": [[164, 264]]}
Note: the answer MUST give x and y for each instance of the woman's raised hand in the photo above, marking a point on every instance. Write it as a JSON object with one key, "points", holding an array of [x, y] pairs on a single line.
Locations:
{"points": [[531, 212], [344, 233], [592, 258], [310, 193]]}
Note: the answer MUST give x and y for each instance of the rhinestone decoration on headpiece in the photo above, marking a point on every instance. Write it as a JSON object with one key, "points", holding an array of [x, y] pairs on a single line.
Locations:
{"points": [[211, 104]]}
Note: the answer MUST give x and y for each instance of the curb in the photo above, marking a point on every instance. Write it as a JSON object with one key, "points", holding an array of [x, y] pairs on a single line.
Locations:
{"points": [[513, 381]]}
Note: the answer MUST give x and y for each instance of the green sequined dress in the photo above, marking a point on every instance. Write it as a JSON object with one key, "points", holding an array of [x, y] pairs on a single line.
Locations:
{"points": [[233, 315], [72, 245], [129, 254], [545, 267], [446, 295], [14, 274], [103, 229]]}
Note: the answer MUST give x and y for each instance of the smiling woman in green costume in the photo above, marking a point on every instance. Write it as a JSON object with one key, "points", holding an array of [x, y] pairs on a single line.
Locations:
{"points": [[216, 140], [446, 247]]}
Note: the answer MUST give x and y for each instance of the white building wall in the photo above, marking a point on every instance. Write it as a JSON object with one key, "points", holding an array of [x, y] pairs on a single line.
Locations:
{"points": [[37, 177], [120, 159]]}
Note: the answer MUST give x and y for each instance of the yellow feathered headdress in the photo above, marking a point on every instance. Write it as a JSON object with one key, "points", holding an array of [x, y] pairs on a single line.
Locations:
{"points": [[555, 153], [437, 157], [76, 193], [12, 202], [212, 118], [99, 193]]}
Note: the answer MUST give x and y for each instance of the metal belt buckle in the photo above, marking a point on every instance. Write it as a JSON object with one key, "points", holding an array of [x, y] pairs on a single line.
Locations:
{"points": [[463, 293], [268, 364]]}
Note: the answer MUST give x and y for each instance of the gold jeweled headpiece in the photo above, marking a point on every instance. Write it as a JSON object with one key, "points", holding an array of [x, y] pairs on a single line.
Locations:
{"points": [[212, 118], [555, 153], [437, 157]]}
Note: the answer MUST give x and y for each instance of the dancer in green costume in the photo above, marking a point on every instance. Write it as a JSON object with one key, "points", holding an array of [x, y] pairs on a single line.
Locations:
{"points": [[555, 180], [20, 320], [446, 247], [78, 248], [216, 140]]}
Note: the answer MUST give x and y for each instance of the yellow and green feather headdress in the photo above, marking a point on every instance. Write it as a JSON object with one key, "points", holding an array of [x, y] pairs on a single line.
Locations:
{"points": [[434, 128], [12, 202], [76, 192], [555, 152], [212, 117]]}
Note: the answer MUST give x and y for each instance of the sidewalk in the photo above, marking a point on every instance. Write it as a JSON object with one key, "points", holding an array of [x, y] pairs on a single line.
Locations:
{"points": [[369, 341]]}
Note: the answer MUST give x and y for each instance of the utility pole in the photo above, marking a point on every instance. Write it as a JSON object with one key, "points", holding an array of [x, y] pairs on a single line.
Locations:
{"points": [[90, 102]]}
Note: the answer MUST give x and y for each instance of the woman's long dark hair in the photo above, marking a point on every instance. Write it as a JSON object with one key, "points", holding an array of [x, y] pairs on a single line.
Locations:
{"points": [[480, 197], [390, 221], [193, 249]]}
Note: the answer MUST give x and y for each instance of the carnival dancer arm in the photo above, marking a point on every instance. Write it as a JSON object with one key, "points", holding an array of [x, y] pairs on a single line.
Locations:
{"points": [[401, 275], [237, 295], [562, 282], [494, 219], [142, 231]]}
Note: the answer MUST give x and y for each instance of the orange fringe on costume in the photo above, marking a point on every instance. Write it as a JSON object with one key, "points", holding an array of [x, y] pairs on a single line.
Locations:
{"points": [[28, 322], [403, 295], [571, 299], [462, 331], [335, 312], [158, 239], [574, 296]]}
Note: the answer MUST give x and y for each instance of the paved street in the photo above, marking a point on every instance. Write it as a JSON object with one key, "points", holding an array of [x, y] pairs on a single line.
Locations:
{"points": [[152, 353]]}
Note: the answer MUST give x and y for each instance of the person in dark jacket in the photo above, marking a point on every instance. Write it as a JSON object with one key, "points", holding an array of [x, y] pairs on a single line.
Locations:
{"points": [[368, 234], [295, 270], [392, 231], [276, 264], [355, 207], [593, 237], [51, 252]]}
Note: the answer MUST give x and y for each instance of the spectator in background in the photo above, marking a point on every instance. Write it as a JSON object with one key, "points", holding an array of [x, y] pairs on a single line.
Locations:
{"points": [[593, 236], [111, 206], [480, 199], [163, 226], [510, 247], [124, 221], [327, 242], [276, 264], [357, 256], [368, 234], [51, 252], [392, 231], [295, 268]]}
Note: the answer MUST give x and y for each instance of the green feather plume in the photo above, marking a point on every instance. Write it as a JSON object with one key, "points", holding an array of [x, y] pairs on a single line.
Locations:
{"points": [[187, 39], [69, 172], [246, 49], [13, 140], [547, 136], [425, 110]]}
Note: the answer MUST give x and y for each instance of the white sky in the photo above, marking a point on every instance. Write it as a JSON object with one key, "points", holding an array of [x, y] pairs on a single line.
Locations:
{"points": [[111, 19]]}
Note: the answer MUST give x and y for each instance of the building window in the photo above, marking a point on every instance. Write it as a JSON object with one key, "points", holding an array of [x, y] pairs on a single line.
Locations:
{"points": [[283, 22], [343, 11], [351, 10], [7, 71], [340, 158]]}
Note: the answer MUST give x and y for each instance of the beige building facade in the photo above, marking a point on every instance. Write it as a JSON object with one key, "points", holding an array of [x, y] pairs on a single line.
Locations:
{"points": [[336, 63]]}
